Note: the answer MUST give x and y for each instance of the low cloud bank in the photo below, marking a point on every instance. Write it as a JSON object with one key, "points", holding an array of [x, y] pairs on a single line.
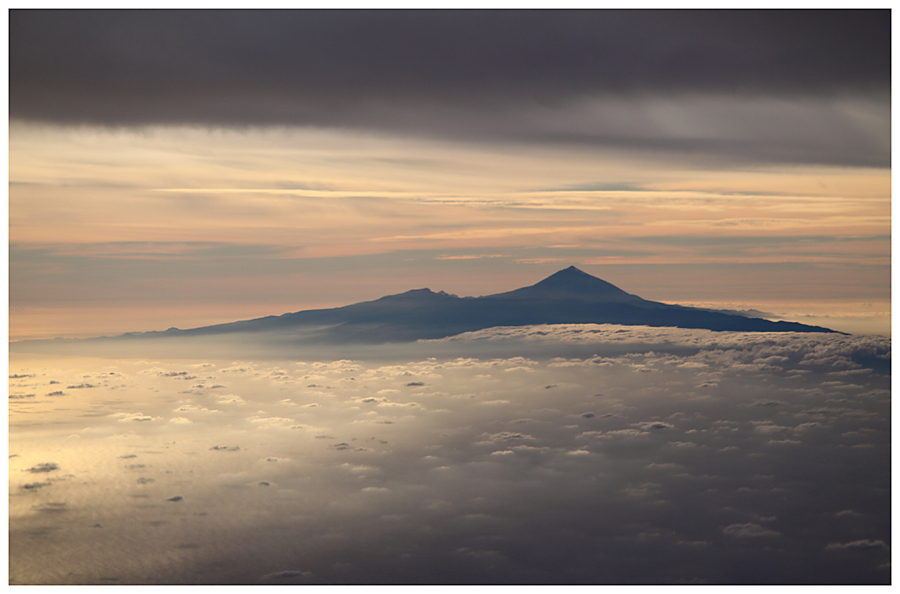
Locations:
{"points": [[698, 457]]}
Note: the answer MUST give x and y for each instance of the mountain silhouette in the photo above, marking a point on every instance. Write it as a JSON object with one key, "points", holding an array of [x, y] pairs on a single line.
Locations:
{"points": [[569, 296], [572, 284]]}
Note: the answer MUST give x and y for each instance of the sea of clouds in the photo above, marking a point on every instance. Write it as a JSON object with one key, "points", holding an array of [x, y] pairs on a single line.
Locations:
{"points": [[545, 454]]}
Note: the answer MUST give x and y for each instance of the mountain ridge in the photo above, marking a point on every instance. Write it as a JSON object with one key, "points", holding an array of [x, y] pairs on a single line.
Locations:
{"points": [[569, 296]]}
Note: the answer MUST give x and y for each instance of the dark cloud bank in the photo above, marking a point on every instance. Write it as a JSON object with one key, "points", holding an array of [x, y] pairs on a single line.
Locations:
{"points": [[777, 83]]}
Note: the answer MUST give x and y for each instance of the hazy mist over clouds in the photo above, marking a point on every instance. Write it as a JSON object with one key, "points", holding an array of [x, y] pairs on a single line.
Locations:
{"points": [[686, 456]]}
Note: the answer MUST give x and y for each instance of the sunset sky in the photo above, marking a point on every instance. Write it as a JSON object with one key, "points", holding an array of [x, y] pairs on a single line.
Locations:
{"points": [[180, 168], [189, 168]]}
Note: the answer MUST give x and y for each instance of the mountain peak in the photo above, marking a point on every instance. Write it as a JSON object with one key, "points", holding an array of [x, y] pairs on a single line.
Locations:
{"points": [[573, 283], [570, 272], [574, 279]]}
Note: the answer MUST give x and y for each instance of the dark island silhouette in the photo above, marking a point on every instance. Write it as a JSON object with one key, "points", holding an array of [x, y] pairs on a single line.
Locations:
{"points": [[569, 296]]}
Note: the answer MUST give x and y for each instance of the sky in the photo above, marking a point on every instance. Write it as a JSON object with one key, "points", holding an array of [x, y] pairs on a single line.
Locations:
{"points": [[188, 168], [185, 168]]}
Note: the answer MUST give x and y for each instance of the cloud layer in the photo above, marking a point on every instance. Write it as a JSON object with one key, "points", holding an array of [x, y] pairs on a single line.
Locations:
{"points": [[757, 85], [685, 457]]}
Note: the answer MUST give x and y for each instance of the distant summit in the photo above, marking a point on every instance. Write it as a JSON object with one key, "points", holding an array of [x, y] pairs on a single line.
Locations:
{"points": [[572, 283], [569, 296]]}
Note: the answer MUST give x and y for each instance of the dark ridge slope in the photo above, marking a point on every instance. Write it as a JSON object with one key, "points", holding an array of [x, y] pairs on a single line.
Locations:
{"points": [[569, 296]]}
